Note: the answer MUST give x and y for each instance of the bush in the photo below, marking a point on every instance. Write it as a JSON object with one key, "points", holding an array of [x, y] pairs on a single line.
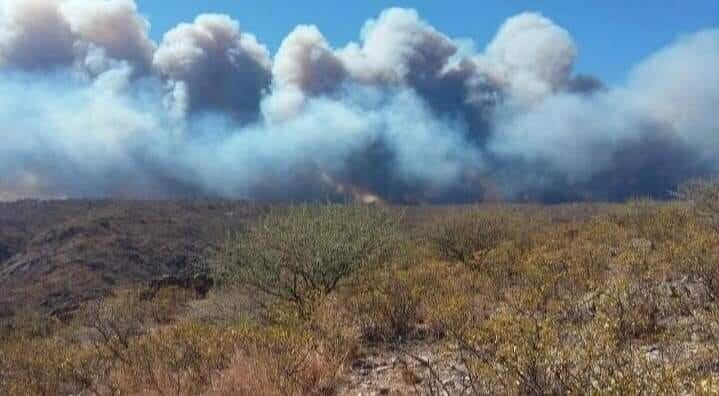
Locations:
{"points": [[29, 324], [182, 359], [47, 366], [694, 253], [516, 352], [464, 235], [623, 302], [630, 310], [703, 194], [114, 322], [389, 308], [302, 255]]}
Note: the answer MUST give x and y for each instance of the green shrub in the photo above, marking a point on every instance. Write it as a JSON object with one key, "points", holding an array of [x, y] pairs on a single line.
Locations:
{"points": [[302, 255]]}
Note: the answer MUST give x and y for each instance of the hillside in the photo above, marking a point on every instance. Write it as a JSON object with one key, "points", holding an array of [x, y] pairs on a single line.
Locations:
{"points": [[362, 299], [55, 254]]}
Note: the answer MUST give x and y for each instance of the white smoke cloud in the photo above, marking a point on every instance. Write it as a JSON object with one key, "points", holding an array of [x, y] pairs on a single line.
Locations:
{"points": [[662, 117], [398, 47], [215, 66], [91, 107], [532, 55], [34, 34], [114, 26], [134, 150], [88, 34], [304, 65], [677, 87], [305, 60]]}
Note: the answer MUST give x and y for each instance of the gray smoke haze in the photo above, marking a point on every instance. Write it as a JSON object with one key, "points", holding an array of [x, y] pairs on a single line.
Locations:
{"points": [[90, 106]]}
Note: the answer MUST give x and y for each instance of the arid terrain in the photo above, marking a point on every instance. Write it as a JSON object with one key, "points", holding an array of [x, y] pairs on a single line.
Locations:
{"points": [[289, 198], [55, 254], [224, 298]]}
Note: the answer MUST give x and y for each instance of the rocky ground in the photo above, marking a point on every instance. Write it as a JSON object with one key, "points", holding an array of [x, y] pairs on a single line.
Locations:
{"points": [[415, 368]]}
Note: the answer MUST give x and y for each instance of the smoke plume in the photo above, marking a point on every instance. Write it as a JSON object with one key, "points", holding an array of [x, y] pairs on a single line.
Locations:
{"points": [[90, 106], [210, 64]]}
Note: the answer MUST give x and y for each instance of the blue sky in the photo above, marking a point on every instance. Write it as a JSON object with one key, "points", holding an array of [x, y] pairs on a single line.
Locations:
{"points": [[612, 35]]}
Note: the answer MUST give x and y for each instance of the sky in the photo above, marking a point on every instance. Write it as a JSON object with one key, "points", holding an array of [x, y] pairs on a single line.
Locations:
{"points": [[612, 35]]}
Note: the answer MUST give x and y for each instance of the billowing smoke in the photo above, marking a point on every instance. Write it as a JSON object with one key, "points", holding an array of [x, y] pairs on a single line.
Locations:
{"points": [[40, 35], [531, 56], [90, 106], [641, 138], [211, 65], [111, 27]]}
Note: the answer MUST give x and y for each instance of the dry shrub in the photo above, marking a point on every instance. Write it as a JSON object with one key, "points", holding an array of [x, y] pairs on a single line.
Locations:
{"points": [[578, 308], [247, 375], [303, 361], [695, 253], [168, 303], [114, 322], [462, 234], [447, 292], [593, 358], [524, 353], [226, 306], [637, 215], [703, 195], [388, 309], [404, 303], [45, 366], [605, 233], [630, 310], [304, 254], [551, 275], [180, 359], [189, 358], [709, 331], [619, 303], [29, 324], [653, 222], [122, 348], [253, 373]]}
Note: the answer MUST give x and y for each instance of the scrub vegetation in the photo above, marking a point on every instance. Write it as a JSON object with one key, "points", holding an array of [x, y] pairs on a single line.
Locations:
{"points": [[488, 299]]}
